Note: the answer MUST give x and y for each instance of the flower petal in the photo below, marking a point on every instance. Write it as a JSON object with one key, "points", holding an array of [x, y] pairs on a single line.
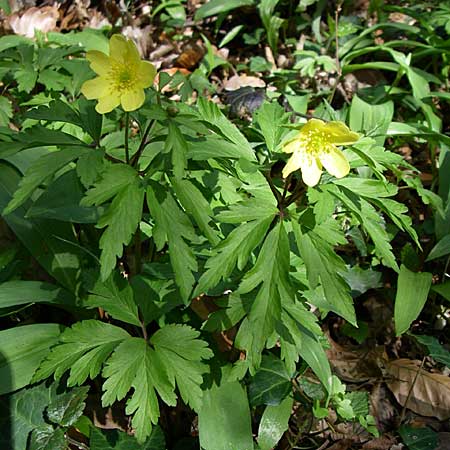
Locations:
{"points": [[312, 125], [95, 88], [293, 163], [146, 74], [311, 171], [118, 48], [133, 56], [338, 133], [132, 100], [335, 162], [100, 63], [107, 104]]}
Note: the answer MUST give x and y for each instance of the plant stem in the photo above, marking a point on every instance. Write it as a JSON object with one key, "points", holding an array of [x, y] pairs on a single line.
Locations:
{"points": [[137, 252], [273, 188], [127, 150], [144, 330], [336, 41], [137, 155]]}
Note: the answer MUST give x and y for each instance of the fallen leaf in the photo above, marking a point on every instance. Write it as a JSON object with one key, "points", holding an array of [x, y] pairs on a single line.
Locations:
{"points": [[381, 443], [239, 81], [43, 19], [430, 392]]}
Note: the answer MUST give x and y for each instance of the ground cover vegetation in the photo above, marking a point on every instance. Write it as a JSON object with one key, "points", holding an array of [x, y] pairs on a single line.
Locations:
{"points": [[224, 225]]}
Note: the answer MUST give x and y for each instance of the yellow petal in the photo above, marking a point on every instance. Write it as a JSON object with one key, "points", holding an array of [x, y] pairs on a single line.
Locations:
{"points": [[147, 73], [293, 163], [132, 100], [292, 145], [118, 48], [107, 104], [100, 63], [335, 162], [133, 56], [95, 88], [311, 171], [338, 133], [312, 125]]}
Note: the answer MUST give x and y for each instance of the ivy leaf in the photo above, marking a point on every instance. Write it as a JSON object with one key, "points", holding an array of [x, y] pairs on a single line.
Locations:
{"points": [[82, 349], [181, 353], [44, 168], [115, 296], [173, 226]]}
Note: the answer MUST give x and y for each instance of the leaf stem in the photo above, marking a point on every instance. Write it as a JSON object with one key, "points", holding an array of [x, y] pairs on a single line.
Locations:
{"points": [[144, 142], [127, 150], [274, 190]]}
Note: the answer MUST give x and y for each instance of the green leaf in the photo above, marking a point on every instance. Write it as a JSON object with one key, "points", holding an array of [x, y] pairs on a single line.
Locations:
{"points": [[176, 143], [115, 296], [373, 120], [215, 7], [271, 383], [44, 168], [435, 349], [6, 111], [90, 166], [412, 293], [83, 348], [419, 438], [324, 265], [270, 118], [39, 136], [194, 203], [12, 40], [211, 113], [103, 439], [68, 407], [21, 351], [442, 248], [20, 413], [56, 111], [224, 418], [274, 423], [20, 292], [368, 188], [48, 438], [212, 147], [173, 226], [443, 289], [52, 243], [180, 352], [91, 120]]}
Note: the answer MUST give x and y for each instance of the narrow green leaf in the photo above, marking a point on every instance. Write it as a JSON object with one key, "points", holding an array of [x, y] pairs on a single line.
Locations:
{"points": [[436, 350], [215, 7], [412, 293], [442, 248]]}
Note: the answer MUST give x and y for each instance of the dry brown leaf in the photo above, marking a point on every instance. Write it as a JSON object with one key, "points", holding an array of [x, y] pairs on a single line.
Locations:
{"points": [[430, 392], [42, 19], [381, 443], [238, 81]]}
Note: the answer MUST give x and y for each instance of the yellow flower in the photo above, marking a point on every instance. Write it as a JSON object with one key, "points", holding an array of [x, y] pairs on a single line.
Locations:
{"points": [[122, 76], [316, 146]]}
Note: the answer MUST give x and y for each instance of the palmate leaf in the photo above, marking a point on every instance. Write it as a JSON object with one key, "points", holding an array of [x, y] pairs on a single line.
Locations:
{"points": [[82, 349], [175, 360], [123, 215], [172, 225]]}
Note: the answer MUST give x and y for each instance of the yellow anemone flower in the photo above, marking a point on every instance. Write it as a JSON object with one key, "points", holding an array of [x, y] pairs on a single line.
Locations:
{"points": [[122, 76], [316, 146]]}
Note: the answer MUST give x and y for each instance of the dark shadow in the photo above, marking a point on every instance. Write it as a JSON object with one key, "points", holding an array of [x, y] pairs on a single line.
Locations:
{"points": [[5, 406]]}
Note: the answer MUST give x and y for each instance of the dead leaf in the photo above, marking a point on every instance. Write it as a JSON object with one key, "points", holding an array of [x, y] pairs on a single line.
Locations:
{"points": [[430, 392], [191, 56], [381, 443], [43, 19], [239, 81]]}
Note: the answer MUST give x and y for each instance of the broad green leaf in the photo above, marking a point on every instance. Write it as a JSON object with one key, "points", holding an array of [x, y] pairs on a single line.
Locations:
{"points": [[324, 266], [115, 296], [12, 40], [181, 353], [82, 349], [211, 113], [173, 226], [442, 248], [212, 147], [270, 118], [436, 350], [6, 111], [419, 438], [44, 168], [90, 166], [21, 351], [48, 438], [215, 7], [39, 136], [224, 418], [103, 439], [271, 383], [52, 243], [373, 120], [20, 292], [274, 422], [368, 188], [68, 407], [194, 203], [412, 293]]}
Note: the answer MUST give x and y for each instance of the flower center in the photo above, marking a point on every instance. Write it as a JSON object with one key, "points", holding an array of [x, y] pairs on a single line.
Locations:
{"points": [[123, 77], [316, 142]]}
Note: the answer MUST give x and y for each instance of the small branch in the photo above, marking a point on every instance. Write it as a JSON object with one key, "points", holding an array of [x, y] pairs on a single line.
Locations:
{"points": [[144, 330], [127, 150], [402, 415]]}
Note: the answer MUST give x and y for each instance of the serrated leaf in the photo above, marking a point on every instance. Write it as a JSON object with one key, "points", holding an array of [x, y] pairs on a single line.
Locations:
{"points": [[66, 409], [115, 296], [44, 168], [82, 349], [173, 226], [176, 143], [56, 111], [270, 117], [102, 439], [90, 166], [6, 111], [48, 438]]}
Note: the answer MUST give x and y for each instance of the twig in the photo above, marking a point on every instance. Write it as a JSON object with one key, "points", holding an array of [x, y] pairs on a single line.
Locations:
{"points": [[402, 415]]}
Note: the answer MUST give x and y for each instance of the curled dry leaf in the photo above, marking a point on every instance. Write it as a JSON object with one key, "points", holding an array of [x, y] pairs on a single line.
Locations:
{"points": [[42, 19], [430, 392], [239, 81]]}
